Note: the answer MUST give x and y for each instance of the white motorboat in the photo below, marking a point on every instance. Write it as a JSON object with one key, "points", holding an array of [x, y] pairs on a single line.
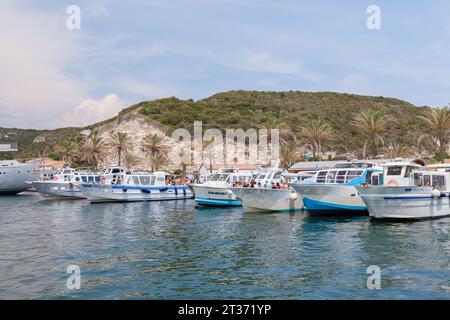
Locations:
{"points": [[427, 195], [271, 192], [14, 176], [334, 189], [64, 184], [128, 187], [215, 191]]}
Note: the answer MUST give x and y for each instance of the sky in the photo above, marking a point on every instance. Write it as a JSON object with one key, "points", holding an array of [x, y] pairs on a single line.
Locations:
{"points": [[128, 51]]}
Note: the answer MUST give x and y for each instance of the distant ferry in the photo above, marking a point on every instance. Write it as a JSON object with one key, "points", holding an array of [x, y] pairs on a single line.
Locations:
{"points": [[15, 175]]}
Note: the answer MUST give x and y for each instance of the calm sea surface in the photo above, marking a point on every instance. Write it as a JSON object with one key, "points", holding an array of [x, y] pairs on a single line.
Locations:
{"points": [[172, 250]]}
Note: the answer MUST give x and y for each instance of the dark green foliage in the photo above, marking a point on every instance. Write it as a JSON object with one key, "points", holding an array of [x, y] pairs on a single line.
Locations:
{"points": [[252, 109]]}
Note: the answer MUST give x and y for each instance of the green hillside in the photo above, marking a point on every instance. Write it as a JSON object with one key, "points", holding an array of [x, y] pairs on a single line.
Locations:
{"points": [[252, 109]]}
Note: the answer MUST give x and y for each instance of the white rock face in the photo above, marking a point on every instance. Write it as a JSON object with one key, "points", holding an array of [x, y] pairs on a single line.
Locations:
{"points": [[138, 126]]}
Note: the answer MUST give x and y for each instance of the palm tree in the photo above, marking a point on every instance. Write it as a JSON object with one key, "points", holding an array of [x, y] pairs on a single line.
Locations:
{"points": [[68, 150], [154, 143], [316, 131], [439, 123], [122, 143], [371, 123], [130, 160], [185, 160], [94, 150], [288, 155], [158, 161]]}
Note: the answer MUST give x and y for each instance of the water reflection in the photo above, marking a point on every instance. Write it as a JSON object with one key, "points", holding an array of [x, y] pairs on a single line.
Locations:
{"points": [[177, 251]]}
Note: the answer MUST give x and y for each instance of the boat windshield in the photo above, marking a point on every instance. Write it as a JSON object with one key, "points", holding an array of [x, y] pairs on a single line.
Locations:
{"points": [[337, 176], [218, 177]]}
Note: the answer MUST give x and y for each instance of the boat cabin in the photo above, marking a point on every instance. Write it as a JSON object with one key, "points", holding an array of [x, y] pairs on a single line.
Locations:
{"points": [[230, 176], [349, 175], [395, 174]]}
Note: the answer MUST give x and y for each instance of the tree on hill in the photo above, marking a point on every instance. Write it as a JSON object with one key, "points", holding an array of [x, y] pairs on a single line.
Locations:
{"points": [[372, 124]]}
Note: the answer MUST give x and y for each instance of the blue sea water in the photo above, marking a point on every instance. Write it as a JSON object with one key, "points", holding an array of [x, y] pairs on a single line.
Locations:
{"points": [[173, 250]]}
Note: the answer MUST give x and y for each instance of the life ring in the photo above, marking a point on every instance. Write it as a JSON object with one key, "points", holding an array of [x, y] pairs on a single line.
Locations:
{"points": [[102, 179], [392, 183]]}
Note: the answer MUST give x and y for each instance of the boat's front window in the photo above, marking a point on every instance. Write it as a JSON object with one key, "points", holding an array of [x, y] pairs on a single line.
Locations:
{"points": [[408, 171], [352, 174], [417, 179], [439, 182], [262, 176], [426, 180], [223, 177], [214, 177], [394, 171]]}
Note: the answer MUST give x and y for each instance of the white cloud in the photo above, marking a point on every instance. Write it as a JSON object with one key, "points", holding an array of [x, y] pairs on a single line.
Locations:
{"points": [[36, 48], [91, 111]]}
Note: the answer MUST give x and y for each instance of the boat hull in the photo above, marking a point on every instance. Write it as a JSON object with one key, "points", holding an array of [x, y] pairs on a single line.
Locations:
{"points": [[14, 179], [214, 196], [275, 200], [404, 202], [96, 193], [330, 197], [52, 189]]}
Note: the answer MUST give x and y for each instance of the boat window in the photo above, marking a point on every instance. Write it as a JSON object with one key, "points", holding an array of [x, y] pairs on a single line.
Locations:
{"points": [[152, 180], [408, 171], [438, 182], [352, 174], [262, 176], [321, 176], [340, 178], [417, 179], [223, 177], [426, 180], [145, 180], [375, 180], [66, 171], [115, 170], [214, 177], [84, 179], [277, 176], [330, 176], [394, 171], [136, 180]]}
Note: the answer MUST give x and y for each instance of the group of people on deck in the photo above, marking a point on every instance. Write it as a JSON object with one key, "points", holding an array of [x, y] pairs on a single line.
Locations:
{"points": [[253, 184]]}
